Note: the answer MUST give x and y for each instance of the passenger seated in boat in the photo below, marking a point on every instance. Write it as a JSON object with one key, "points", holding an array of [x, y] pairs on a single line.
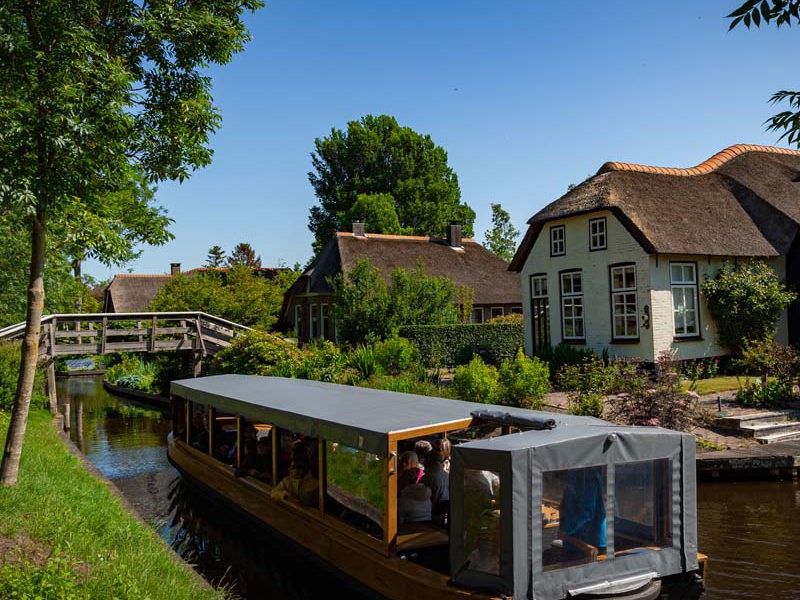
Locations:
{"points": [[410, 473], [438, 480], [200, 432], [299, 485], [254, 461], [422, 447], [414, 504]]}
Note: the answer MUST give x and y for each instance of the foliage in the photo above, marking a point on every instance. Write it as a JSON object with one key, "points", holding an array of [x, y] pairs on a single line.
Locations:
{"points": [[405, 383], [508, 318], [239, 295], [644, 399], [501, 239], [586, 385], [476, 382], [760, 395], [746, 301], [377, 157], [564, 355], [364, 361], [323, 361], [259, 353], [780, 12], [396, 354], [465, 299], [450, 345], [10, 355], [366, 310], [700, 368], [769, 359], [134, 372], [524, 381], [215, 258], [377, 212], [243, 255], [55, 580]]}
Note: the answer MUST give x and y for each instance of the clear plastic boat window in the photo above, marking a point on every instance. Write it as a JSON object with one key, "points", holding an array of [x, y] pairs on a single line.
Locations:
{"points": [[643, 511], [573, 517], [355, 482], [481, 521]]}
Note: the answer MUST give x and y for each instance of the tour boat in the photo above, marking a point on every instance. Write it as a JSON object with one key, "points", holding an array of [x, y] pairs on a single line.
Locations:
{"points": [[542, 505]]}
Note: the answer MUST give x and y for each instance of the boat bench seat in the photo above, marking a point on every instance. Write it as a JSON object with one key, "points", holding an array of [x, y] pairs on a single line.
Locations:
{"points": [[411, 536]]}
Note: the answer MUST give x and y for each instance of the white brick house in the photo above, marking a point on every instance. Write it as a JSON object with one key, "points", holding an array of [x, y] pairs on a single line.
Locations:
{"points": [[617, 262]]}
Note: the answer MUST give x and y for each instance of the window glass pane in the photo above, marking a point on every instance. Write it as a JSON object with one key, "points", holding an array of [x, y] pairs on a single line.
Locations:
{"points": [[579, 328], [482, 521], [617, 279], [691, 321], [688, 273], [677, 299], [573, 517], [630, 277], [676, 274], [354, 487], [576, 283], [643, 515], [688, 298]]}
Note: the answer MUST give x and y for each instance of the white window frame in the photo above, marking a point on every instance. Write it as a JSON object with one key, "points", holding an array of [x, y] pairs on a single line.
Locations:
{"points": [[598, 234], [620, 298], [312, 320], [472, 315], [683, 284], [492, 311], [538, 286], [572, 300], [558, 240], [324, 317], [298, 320]]}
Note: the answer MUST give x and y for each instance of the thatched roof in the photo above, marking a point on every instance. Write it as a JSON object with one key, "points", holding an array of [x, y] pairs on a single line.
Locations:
{"points": [[471, 265], [133, 293], [743, 201]]}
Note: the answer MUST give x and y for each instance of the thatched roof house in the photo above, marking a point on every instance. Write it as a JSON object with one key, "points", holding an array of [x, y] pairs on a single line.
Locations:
{"points": [[130, 292], [307, 304], [741, 202]]}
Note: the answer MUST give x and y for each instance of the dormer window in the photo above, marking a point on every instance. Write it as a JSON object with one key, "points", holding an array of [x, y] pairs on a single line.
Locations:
{"points": [[597, 234], [558, 245]]}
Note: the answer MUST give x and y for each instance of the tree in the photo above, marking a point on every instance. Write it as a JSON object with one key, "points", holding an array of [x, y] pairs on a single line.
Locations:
{"points": [[95, 96], [502, 237], [377, 212], [746, 301], [780, 12], [239, 295], [244, 255], [216, 257], [377, 156]]}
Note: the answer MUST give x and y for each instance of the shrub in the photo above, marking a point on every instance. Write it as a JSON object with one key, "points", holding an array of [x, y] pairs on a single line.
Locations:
{"points": [[586, 385], [259, 353], [760, 395], [133, 372], [564, 355], [364, 361], [396, 354], [10, 354], [451, 345], [769, 358], [323, 362], [476, 382], [524, 381]]}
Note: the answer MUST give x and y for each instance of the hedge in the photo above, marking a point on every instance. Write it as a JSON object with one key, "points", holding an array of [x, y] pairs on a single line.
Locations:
{"points": [[450, 345]]}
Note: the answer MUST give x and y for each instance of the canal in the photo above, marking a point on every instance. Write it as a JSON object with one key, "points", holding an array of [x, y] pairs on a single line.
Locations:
{"points": [[749, 530]]}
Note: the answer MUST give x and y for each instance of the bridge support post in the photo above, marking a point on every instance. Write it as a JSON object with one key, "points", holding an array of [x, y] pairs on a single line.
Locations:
{"points": [[197, 364], [52, 396]]}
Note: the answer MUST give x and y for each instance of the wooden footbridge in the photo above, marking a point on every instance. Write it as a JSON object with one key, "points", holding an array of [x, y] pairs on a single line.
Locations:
{"points": [[193, 334]]}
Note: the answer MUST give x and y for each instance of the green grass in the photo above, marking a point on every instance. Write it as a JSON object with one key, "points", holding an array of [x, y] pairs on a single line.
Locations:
{"points": [[714, 385], [100, 551]]}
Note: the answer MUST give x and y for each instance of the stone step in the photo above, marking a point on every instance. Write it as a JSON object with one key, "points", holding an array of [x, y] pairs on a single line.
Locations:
{"points": [[749, 420], [778, 437], [761, 430]]}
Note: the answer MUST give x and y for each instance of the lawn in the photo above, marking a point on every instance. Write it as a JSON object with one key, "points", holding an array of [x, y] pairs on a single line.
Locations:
{"points": [[719, 384], [76, 539]]}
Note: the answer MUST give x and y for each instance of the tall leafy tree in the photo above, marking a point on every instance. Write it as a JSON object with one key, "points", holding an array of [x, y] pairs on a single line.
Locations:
{"points": [[96, 94], [778, 12], [244, 255], [502, 237], [216, 257], [375, 155]]}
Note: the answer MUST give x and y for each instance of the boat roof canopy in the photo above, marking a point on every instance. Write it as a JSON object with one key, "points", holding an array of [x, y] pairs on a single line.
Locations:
{"points": [[362, 418]]}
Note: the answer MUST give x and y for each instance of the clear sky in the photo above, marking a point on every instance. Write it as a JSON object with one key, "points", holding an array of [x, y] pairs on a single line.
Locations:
{"points": [[526, 97]]}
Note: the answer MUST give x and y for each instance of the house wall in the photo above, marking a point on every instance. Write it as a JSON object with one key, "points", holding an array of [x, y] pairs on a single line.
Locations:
{"points": [[621, 247], [662, 314]]}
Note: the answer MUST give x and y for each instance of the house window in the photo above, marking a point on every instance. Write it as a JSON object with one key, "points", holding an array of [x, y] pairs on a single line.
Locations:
{"points": [[683, 281], [540, 312], [298, 320], [476, 316], [497, 311], [313, 322], [572, 326], [597, 234], [324, 318], [558, 245], [516, 310], [624, 305]]}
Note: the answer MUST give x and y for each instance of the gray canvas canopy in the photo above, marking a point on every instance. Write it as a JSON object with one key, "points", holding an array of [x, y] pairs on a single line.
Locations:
{"points": [[648, 483], [358, 417]]}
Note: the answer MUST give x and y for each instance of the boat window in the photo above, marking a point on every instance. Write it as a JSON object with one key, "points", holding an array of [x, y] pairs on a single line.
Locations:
{"points": [[573, 513], [178, 418], [481, 521], [198, 427], [298, 477], [256, 459], [355, 487], [642, 512], [224, 437]]}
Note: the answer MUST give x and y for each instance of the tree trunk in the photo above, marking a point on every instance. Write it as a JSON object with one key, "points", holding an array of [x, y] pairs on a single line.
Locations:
{"points": [[30, 354], [76, 270]]}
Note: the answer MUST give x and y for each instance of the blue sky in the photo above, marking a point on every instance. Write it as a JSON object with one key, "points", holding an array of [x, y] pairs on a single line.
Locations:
{"points": [[526, 98]]}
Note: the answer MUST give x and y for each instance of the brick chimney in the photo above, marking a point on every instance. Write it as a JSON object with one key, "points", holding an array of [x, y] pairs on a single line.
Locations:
{"points": [[358, 229], [454, 234], [174, 268]]}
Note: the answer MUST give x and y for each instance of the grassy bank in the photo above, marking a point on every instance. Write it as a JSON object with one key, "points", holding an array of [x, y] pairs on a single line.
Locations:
{"points": [[64, 535]]}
